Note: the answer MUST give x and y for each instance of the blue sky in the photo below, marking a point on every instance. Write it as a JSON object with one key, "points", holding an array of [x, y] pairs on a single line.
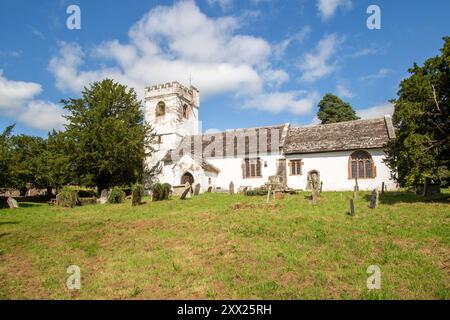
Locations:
{"points": [[255, 62]]}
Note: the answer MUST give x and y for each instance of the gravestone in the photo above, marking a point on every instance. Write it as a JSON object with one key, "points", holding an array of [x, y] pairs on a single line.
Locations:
{"points": [[187, 193], [209, 189], [231, 188], [356, 189], [315, 186], [374, 199], [321, 187], [12, 203], [269, 194], [352, 207], [197, 189], [382, 187], [104, 196]]}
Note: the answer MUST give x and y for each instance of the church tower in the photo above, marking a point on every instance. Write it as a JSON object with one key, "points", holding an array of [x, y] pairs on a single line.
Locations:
{"points": [[172, 110]]}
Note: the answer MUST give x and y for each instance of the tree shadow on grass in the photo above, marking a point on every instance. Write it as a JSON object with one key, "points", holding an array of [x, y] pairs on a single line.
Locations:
{"points": [[410, 197], [8, 222]]}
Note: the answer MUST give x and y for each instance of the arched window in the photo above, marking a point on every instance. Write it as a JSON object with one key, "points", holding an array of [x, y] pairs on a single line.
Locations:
{"points": [[160, 109], [361, 166], [185, 112]]}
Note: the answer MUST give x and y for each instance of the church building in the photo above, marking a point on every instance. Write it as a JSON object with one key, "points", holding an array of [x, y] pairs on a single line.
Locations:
{"points": [[250, 157]]}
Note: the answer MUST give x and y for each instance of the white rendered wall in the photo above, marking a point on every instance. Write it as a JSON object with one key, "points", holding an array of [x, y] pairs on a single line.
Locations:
{"points": [[231, 170], [333, 169]]}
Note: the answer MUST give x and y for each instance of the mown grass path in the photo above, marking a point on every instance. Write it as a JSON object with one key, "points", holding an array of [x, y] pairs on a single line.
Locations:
{"points": [[218, 246]]}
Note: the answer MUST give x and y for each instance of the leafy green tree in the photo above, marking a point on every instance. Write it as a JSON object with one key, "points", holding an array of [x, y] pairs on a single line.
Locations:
{"points": [[332, 109], [421, 150], [28, 165], [6, 157], [107, 135]]}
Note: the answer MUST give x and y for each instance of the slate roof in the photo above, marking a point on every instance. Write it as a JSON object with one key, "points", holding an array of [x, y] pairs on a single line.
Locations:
{"points": [[256, 140], [351, 135]]}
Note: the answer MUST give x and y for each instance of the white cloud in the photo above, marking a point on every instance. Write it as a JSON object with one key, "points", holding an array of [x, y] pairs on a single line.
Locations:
{"points": [[378, 75], [376, 111], [316, 64], [280, 48], [296, 102], [13, 94], [327, 8], [224, 4], [173, 43], [17, 99], [344, 92], [42, 115]]}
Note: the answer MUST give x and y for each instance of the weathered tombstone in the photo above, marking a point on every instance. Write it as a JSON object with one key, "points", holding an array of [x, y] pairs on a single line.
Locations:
{"points": [[352, 207], [187, 193], [374, 198], [382, 187], [315, 186], [231, 188], [104, 196], [269, 194], [210, 189], [356, 189], [12, 203], [197, 189]]}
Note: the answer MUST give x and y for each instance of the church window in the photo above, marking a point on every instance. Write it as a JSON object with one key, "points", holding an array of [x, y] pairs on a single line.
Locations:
{"points": [[296, 167], [160, 109], [361, 165], [185, 112], [251, 168]]}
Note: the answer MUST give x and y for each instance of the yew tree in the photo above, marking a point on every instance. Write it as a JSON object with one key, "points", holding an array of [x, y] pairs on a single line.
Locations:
{"points": [[421, 150]]}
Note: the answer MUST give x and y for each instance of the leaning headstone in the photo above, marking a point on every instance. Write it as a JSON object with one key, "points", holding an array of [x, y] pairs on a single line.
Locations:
{"points": [[197, 189], [12, 203], [104, 196], [231, 188], [352, 207], [374, 198], [187, 193]]}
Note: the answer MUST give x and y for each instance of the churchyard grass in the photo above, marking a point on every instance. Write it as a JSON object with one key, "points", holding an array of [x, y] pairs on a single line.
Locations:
{"points": [[221, 246]]}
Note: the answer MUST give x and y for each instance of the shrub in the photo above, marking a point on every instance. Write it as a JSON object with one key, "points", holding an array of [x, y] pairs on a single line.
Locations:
{"points": [[137, 192], [161, 191], [167, 190], [116, 196], [67, 198], [257, 192], [128, 191]]}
